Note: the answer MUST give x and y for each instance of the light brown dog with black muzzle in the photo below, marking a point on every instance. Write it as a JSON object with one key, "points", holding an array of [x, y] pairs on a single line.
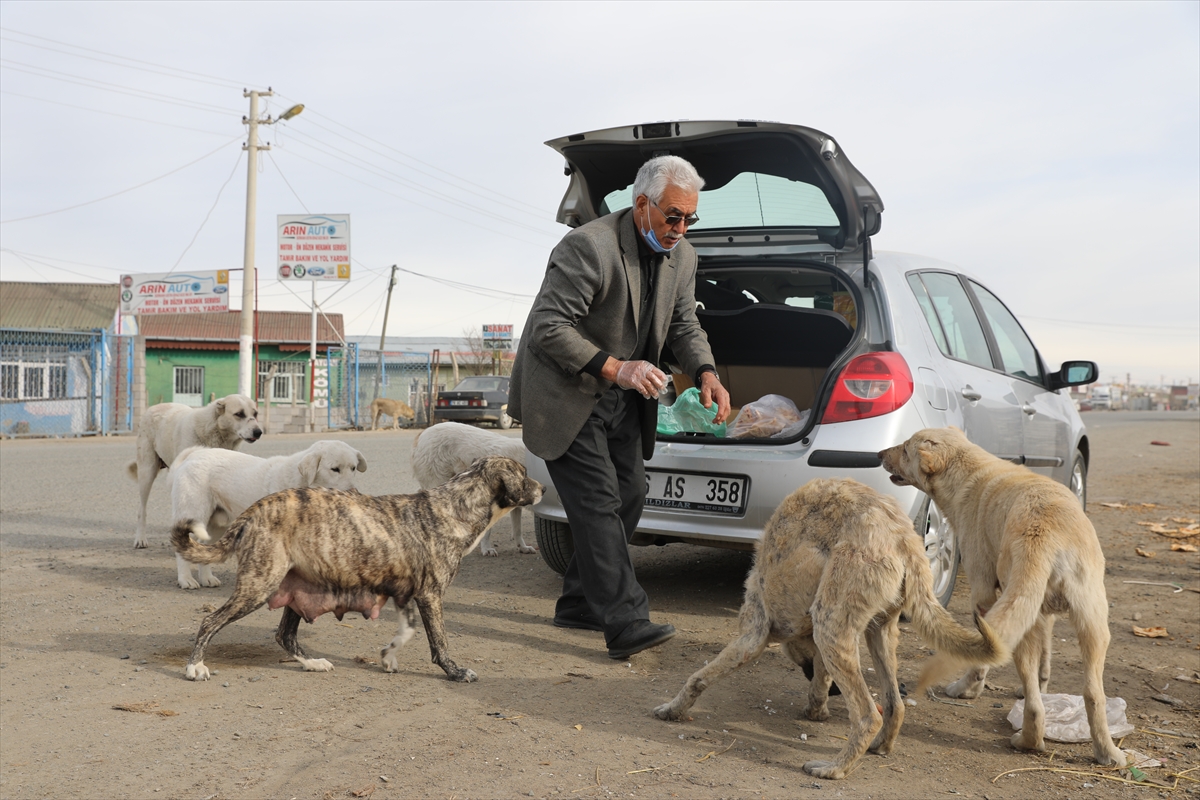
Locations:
{"points": [[314, 551], [1025, 538]]}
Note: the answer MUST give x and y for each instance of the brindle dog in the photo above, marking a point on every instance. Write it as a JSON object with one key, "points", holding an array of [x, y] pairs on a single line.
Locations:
{"points": [[313, 551]]}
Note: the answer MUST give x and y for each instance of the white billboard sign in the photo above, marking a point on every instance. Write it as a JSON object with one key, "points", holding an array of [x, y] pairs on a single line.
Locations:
{"points": [[313, 247], [175, 292], [498, 337]]}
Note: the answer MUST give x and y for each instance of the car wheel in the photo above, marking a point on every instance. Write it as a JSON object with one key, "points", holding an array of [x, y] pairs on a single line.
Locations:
{"points": [[1079, 479], [555, 543], [505, 422], [941, 548]]}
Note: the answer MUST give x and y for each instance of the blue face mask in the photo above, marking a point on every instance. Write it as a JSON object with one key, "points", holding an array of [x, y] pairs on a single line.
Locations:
{"points": [[652, 240]]}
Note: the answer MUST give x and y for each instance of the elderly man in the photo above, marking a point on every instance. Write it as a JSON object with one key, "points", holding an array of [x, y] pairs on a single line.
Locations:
{"points": [[585, 386]]}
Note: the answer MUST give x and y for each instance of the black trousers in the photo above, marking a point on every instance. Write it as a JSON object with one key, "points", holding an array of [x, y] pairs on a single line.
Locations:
{"points": [[601, 480]]}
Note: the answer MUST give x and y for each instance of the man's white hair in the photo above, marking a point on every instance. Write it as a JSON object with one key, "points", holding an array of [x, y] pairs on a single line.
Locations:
{"points": [[662, 171]]}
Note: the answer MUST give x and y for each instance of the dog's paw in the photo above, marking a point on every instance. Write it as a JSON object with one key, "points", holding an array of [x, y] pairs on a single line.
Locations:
{"points": [[464, 676], [489, 551], [667, 711], [817, 713], [189, 583], [824, 769], [209, 580], [390, 662], [315, 664], [139, 543], [527, 549], [966, 688], [1109, 755], [196, 672], [1027, 741]]}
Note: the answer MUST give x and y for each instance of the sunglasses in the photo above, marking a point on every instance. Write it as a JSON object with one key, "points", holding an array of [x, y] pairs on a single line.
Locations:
{"points": [[675, 219]]}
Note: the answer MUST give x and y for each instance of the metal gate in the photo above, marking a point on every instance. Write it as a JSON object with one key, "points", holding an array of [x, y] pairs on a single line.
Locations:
{"points": [[54, 383], [357, 376]]}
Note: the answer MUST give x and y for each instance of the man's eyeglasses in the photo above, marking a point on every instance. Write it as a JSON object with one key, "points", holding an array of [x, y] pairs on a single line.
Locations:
{"points": [[675, 219]]}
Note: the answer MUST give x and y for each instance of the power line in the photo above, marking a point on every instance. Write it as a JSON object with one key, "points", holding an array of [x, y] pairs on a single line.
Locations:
{"points": [[209, 214], [129, 91], [123, 191], [466, 287], [113, 113], [1082, 323], [225, 81], [287, 182]]}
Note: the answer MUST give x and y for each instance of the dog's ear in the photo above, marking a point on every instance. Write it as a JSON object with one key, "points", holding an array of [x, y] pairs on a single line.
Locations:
{"points": [[308, 468], [362, 461], [932, 455], [220, 404]]}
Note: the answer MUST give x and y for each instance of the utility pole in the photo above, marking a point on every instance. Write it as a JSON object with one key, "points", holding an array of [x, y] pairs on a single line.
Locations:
{"points": [[383, 334], [249, 277]]}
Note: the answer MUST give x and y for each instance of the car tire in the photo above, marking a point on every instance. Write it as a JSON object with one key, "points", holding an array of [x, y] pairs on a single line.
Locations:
{"points": [[555, 543], [941, 548], [1079, 479], [505, 422]]}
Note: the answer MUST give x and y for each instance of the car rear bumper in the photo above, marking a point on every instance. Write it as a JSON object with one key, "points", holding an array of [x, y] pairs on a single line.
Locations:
{"points": [[467, 414], [839, 450]]}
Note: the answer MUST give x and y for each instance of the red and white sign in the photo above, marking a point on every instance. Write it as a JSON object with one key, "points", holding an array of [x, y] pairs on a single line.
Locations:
{"points": [[175, 292], [313, 247]]}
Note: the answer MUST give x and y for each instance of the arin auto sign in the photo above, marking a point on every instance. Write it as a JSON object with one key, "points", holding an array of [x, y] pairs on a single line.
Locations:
{"points": [[175, 292], [313, 247]]}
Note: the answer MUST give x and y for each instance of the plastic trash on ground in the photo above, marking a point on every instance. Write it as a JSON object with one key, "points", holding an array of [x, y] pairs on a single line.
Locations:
{"points": [[686, 415], [1066, 718], [771, 415]]}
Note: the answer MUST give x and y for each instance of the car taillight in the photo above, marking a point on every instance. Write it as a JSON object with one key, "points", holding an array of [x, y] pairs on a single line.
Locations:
{"points": [[443, 403], [870, 385]]}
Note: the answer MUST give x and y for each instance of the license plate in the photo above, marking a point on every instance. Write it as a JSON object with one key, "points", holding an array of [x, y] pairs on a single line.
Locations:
{"points": [[460, 402], [689, 491]]}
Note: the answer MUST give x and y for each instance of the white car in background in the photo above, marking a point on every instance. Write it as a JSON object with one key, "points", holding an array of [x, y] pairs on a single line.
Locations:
{"points": [[871, 347]]}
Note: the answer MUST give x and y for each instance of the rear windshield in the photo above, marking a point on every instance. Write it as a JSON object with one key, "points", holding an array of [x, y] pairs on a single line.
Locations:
{"points": [[480, 385], [751, 200], [734, 289]]}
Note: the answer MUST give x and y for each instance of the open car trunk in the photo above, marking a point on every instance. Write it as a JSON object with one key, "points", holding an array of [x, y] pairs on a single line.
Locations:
{"points": [[773, 330]]}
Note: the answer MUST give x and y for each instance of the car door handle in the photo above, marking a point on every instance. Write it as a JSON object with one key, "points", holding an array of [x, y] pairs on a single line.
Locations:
{"points": [[1028, 409], [970, 394]]}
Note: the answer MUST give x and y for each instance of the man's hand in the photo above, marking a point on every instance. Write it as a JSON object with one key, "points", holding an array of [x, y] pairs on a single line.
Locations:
{"points": [[643, 376], [710, 390]]}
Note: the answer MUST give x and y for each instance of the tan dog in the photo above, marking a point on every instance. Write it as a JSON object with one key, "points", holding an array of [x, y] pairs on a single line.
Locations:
{"points": [[392, 408], [312, 551], [167, 429], [838, 560], [446, 449], [1024, 536]]}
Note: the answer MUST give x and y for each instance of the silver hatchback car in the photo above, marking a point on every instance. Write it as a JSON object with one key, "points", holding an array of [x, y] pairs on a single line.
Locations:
{"points": [[870, 347]]}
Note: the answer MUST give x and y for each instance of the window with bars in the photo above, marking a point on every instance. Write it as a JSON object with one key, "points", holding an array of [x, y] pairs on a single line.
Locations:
{"points": [[286, 380], [25, 381]]}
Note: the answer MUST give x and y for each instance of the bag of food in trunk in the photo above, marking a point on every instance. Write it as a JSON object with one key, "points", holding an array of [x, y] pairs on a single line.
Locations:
{"points": [[687, 415], [770, 416]]}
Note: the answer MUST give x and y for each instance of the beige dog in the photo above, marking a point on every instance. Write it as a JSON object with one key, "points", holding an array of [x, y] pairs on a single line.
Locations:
{"points": [[1025, 537], [441, 452], [167, 429], [214, 486], [838, 560], [392, 408], [312, 551]]}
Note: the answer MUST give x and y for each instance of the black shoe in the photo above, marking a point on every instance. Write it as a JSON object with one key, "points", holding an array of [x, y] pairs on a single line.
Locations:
{"points": [[578, 618], [639, 635]]}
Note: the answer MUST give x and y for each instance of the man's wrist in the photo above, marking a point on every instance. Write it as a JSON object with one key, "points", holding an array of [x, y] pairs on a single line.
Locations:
{"points": [[706, 368]]}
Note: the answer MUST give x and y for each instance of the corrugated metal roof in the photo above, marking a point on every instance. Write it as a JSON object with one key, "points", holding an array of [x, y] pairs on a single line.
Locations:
{"points": [[58, 306], [274, 327]]}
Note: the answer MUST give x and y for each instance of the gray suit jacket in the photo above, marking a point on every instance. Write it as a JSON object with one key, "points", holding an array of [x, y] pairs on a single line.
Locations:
{"points": [[590, 301]]}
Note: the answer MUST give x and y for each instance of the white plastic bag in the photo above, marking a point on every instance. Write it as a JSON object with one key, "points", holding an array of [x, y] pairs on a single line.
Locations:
{"points": [[1066, 718], [768, 416]]}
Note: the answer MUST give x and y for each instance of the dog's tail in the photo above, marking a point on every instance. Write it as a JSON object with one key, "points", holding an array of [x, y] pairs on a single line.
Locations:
{"points": [[955, 644], [217, 552]]}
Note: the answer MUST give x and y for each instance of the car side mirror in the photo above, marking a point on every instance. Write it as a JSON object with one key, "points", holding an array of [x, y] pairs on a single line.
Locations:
{"points": [[1074, 373]]}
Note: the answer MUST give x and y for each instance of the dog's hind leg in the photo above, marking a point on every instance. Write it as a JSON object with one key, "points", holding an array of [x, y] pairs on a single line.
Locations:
{"points": [[755, 631], [405, 631], [147, 471], [236, 607], [439, 648], [285, 635], [1090, 617], [1026, 656], [882, 637], [803, 650]]}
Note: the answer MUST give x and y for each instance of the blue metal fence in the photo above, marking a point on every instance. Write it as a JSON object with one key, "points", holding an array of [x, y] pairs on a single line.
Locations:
{"points": [[357, 376], [56, 383]]}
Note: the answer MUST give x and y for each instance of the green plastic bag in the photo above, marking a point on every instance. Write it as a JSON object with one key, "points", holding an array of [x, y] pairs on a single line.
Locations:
{"points": [[687, 415]]}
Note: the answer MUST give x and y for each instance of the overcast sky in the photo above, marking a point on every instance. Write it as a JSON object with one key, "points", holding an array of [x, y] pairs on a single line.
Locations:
{"points": [[1049, 149]]}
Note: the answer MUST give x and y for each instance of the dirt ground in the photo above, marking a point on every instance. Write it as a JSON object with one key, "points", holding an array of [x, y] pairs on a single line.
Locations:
{"points": [[88, 624]]}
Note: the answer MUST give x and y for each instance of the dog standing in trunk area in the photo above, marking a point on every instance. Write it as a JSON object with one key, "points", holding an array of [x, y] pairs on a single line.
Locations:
{"points": [[1024, 537], [837, 560], [312, 551]]}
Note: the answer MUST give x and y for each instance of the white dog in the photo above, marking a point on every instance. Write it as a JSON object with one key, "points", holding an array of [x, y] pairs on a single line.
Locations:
{"points": [[167, 429], [213, 487], [448, 448]]}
